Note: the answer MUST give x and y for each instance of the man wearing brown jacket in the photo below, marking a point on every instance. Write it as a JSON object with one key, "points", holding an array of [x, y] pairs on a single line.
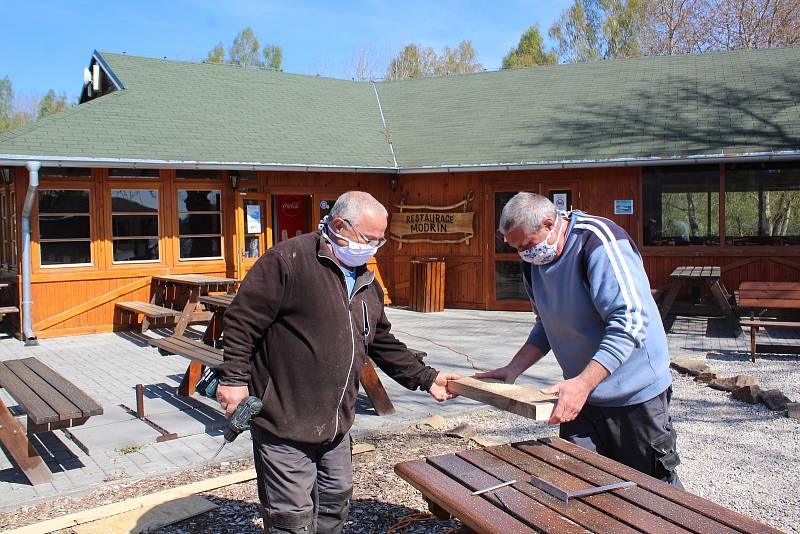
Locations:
{"points": [[297, 335]]}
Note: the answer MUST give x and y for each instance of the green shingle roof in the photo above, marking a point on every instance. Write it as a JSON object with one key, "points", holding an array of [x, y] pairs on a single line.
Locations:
{"points": [[729, 103]]}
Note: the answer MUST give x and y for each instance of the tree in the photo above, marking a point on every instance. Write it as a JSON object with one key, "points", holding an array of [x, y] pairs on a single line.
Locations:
{"points": [[364, 63], [51, 104], [246, 51], [529, 51], [273, 56], [6, 103], [578, 32], [216, 54], [417, 62]]}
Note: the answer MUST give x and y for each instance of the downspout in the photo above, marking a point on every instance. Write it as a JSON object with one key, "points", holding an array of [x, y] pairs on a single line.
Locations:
{"points": [[30, 196]]}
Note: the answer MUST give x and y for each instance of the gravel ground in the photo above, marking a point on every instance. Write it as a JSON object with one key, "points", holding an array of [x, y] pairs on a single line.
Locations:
{"points": [[740, 456]]}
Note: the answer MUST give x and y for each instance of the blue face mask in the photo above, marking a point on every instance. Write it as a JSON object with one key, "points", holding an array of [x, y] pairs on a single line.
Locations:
{"points": [[542, 253]]}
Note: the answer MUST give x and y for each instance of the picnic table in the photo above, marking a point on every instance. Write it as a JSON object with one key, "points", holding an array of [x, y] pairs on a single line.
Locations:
{"points": [[9, 308], [50, 402], [763, 296], [197, 285], [560, 487], [699, 277]]}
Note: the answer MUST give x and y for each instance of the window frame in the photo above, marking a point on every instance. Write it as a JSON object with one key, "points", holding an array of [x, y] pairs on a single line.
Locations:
{"points": [[60, 186], [116, 185], [208, 186]]}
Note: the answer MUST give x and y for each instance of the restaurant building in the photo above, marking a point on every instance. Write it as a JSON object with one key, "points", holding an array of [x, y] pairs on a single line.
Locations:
{"points": [[177, 167]]}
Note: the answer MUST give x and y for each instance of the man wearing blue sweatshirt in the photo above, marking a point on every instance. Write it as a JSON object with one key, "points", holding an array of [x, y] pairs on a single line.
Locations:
{"points": [[594, 309]]}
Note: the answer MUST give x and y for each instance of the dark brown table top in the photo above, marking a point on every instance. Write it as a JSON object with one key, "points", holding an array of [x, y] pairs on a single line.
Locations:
{"points": [[695, 272], [196, 279], [448, 481]]}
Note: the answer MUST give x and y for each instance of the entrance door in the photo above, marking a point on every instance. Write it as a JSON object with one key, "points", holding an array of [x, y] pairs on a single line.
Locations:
{"points": [[253, 229], [504, 287]]}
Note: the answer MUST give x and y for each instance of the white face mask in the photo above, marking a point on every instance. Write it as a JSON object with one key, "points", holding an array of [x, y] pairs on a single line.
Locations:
{"points": [[354, 254], [542, 253]]}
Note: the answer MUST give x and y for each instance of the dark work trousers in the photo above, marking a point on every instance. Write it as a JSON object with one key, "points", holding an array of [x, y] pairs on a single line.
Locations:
{"points": [[640, 436], [303, 487]]}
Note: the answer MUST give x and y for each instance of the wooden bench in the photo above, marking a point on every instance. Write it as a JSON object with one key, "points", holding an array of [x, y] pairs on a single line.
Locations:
{"points": [[547, 478], [151, 312], [50, 402], [200, 354], [763, 296], [7, 309]]}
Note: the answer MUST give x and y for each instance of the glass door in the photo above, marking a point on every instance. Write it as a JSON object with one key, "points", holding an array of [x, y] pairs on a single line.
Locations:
{"points": [[253, 215]]}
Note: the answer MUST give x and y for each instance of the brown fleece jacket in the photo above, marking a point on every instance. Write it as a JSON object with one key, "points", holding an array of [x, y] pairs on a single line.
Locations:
{"points": [[299, 342]]}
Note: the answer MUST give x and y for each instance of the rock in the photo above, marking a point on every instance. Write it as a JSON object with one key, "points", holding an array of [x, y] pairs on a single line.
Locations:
{"points": [[705, 378], [748, 394], [774, 399], [733, 382], [436, 422], [486, 441], [360, 448], [690, 366], [463, 430], [793, 410]]}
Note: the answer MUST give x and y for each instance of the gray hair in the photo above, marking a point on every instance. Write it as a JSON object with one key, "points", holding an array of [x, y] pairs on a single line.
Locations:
{"points": [[351, 205], [528, 210]]}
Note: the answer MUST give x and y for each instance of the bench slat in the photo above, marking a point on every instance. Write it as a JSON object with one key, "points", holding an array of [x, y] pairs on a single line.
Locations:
{"points": [[613, 504], [58, 402], [747, 302], [475, 512], [578, 511], [191, 349], [698, 504], [768, 323], [149, 310], [520, 505], [9, 309], [33, 405], [656, 504], [192, 346], [87, 405], [791, 286]]}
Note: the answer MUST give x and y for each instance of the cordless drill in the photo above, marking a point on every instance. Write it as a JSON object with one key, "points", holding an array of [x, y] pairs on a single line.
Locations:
{"points": [[240, 420]]}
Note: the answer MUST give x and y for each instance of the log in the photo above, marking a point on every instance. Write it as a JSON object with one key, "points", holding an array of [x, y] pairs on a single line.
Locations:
{"points": [[520, 400]]}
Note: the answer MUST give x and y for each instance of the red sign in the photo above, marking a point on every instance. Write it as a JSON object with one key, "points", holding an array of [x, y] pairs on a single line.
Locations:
{"points": [[293, 216]]}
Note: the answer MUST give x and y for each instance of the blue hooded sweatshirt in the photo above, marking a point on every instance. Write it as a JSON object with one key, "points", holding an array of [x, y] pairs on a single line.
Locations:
{"points": [[594, 303]]}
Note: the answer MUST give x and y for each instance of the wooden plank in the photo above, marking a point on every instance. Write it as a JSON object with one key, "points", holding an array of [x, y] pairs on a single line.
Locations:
{"points": [[190, 347], [791, 286], [665, 508], [73, 393], [14, 437], [765, 323], [149, 517], [610, 503], [34, 406], [474, 512], [90, 304], [509, 499], [520, 400], [375, 390], [578, 511], [150, 310], [703, 506], [54, 398], [108, 510], [767, 302], [8, 309]]}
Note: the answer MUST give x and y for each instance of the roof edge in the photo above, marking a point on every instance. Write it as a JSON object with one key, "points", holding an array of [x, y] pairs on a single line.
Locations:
{"points": [[98, 56], [18, 160]]}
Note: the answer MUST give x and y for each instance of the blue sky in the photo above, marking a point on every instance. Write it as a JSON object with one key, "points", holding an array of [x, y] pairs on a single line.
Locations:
{"points": [[49, 43]]}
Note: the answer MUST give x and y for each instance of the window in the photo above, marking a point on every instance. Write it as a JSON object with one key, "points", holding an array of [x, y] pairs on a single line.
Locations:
{"points": [[7, 239], [133, 173], [681, 205], [762, 204], [134, 223], [200, 224], [64, 227], [197, 174]]}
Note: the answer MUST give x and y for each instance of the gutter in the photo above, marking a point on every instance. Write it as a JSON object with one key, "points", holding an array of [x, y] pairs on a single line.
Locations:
{"points": [[27, 208], [60, 161]]}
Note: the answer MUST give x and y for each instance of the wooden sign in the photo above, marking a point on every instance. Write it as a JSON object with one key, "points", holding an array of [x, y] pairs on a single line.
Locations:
{"points": [[520, 400], [421, 226]]}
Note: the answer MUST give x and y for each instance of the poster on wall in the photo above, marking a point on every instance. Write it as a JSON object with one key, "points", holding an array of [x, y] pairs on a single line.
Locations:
{"points": [[623, 207], [562, 199], [253, 218]]}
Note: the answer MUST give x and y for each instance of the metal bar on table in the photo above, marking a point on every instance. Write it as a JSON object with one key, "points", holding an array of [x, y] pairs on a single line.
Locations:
{"points": [[565, 495]]}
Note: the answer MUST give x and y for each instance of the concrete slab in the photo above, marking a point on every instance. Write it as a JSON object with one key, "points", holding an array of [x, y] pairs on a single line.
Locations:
{"points": [[113, 436], [188, 423], [161, 405], [111, 414]]}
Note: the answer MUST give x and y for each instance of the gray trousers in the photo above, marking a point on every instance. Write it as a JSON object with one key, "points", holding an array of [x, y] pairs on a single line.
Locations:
{"points": [[303, 488], [640, 436]]}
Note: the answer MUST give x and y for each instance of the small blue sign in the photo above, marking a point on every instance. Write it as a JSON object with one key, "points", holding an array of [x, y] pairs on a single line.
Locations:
{"points": [[623, 207]]}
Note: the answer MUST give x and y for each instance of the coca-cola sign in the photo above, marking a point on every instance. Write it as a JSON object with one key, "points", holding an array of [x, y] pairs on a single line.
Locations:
{"points": [[292, 206]]}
